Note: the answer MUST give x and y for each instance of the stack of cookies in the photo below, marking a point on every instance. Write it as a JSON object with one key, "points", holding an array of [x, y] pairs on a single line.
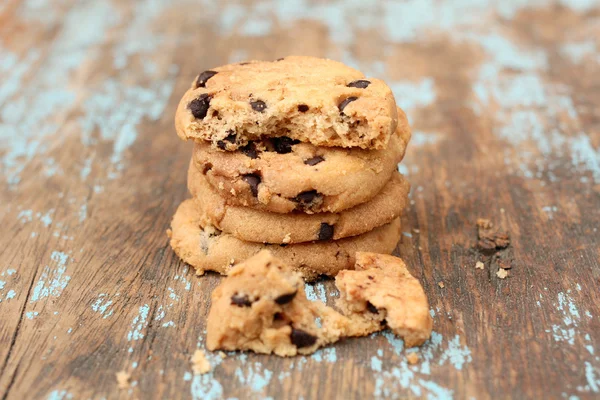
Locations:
{"points": [[298, 156]]}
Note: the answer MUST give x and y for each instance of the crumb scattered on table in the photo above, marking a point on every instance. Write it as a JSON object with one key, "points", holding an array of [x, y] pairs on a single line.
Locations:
{"points": [[488, 239], [441, 284], [505, 263], [484, 223], [222, 354], [416, 230], [502, 273], [123, 379], [412, 358], [479, 265], [200, 364]]}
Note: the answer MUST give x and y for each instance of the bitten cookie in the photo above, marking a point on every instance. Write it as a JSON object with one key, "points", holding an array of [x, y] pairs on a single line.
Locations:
{"points": [[282, 175], [310, 99], [264, 227], [261, 306], [208, 249]]}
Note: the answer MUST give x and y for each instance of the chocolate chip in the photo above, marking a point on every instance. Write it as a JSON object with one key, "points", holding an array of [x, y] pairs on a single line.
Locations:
{"points": [[306, 198], [314, 160], [372, 308], [347, 101], [280, 59], [206, 167], [285, 298], [203, 77], [302, 108], [258, 105], [199, 107], [244, 63], [229, 138], [302, 338], [283, 144], [240, 300], [283, 244], [361, 84], [250, 150], [277, 316], [253, 180], [326, 231]]}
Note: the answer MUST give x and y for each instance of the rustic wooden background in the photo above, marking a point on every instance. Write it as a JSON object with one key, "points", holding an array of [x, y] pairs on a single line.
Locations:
{"points": [[504, 98]]}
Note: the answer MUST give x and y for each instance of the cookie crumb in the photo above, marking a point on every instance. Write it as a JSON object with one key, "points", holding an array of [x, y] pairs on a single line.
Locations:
{"points": [[287, 238], [169, 233], [222, 354], [232, 191], [479, 265], [441, 284], [221, 186], [412, 358], [505, 263], [502, 273], [484, 223], [200, 364], [416, 230], [123, 379]]}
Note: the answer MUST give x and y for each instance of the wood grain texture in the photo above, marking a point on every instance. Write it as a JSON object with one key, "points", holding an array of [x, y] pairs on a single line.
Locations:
{"points": [[503, 98]]}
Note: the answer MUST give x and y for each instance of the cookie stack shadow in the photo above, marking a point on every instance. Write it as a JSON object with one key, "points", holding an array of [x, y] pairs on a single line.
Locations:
{"points": [[306, 168]]}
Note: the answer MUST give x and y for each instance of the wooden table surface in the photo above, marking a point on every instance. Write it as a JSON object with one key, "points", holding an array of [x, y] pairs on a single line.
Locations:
{"points": [[504, 99]]}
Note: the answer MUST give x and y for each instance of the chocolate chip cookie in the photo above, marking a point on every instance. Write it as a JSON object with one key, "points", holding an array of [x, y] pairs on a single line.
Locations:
{"points": [[261, 306], [208, 249], [283, 175], [309, 99], [254, 225]]}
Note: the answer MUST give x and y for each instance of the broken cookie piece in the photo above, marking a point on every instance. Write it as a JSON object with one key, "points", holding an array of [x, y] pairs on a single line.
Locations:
{"points": [[381, 291], [261, 306]]}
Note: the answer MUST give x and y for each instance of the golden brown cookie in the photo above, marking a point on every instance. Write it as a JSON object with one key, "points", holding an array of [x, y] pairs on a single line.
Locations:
{"points": [[254, 225], [310, 99], [208, 249]]}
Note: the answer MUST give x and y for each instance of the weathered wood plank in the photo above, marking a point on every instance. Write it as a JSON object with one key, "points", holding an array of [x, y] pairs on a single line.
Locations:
{"points": [[504, 102]]}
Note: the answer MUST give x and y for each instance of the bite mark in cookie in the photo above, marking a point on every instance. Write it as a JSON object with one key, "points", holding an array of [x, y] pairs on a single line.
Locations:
{"points": [[263, 98]]}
